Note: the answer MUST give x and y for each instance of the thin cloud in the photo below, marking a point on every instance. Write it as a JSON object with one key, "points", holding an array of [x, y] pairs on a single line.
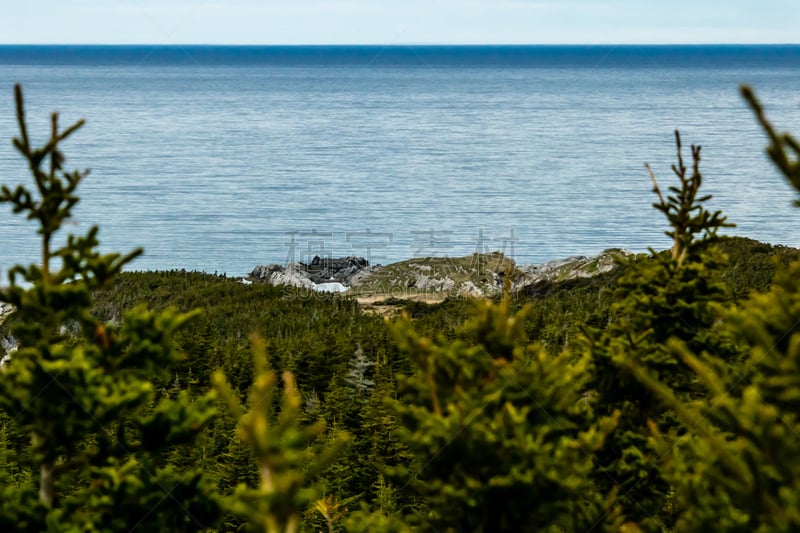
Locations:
{"points": [[384, 21]]}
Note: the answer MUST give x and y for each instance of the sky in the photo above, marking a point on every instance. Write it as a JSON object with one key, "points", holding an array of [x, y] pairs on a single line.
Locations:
{"points": [[398, 21]]}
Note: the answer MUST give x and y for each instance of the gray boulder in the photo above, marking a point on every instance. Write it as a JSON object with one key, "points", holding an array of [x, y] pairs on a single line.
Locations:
{"points": [[5, 310], [8, 345], [293, 275]]}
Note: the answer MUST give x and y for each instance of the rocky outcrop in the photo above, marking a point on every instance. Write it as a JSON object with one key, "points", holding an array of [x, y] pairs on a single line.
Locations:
{"points": [[342, 270], [543, 280], [474, 276], [322, 273], [8, 344], [5, 310], [292, 275], [578, 266]]}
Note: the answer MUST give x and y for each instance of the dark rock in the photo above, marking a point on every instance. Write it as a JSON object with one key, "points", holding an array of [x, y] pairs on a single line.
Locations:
{"points": [[321, 270], [324, 269]]}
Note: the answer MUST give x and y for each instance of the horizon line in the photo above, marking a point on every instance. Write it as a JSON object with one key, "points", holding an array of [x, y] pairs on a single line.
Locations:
{"points": [[428, 44]]}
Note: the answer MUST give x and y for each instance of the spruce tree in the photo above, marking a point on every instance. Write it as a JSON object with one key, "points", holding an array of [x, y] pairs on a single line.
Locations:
{"points": [[288, 464], [666, 295], [90, 395], [736, 467], [502, 437]]}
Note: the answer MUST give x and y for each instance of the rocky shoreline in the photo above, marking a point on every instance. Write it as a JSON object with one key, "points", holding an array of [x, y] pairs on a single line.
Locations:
{"points": [[477, 275], [433, 279], [322, 273], [427, 279]]}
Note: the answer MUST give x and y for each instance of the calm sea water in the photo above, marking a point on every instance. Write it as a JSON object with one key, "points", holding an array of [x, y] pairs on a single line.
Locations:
{"points": [[223, 158]]}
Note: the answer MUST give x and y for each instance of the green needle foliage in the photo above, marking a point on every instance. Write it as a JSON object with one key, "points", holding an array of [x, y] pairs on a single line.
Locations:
{"points": [[738, 468], [666, 296], [503, 439], [89, 395], [687, 217], [287, 463], [735, 465]]}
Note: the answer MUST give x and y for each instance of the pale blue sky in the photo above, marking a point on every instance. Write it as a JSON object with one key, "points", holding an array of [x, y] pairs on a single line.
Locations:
{"points": [[398, 21]]}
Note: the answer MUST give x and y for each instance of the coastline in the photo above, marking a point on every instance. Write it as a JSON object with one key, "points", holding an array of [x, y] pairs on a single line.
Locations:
{"points": [[434, 278], [430, 279]]}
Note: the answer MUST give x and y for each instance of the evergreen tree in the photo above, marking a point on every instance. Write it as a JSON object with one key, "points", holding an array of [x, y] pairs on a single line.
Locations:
{"points": [[667, 295], [737, 468], [87, 393], [287, 464], [501, 436]]}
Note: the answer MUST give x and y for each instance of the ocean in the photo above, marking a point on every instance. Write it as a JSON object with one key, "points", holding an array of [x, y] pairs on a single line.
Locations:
{"points": [[223, 158]]}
